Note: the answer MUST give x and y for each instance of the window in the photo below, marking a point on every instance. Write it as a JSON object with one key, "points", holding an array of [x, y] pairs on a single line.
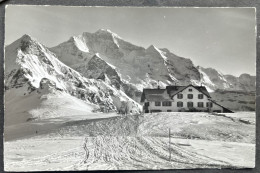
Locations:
{"points": [[200, 96], [157, 103], [169, 110], [146, 104], [209, 104], [190, 90], [190, 96], [179, 104], [190, 104], [167, 103], [200, 104], [179, 96]]}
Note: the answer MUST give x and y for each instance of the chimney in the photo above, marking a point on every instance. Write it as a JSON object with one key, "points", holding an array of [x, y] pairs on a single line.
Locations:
{"points": [[158, 85]]}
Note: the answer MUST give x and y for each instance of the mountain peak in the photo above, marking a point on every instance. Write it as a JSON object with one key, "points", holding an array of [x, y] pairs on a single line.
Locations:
{"points": [[245, 75], [107, 31], [207, 68], [104, 31], [152, 48], [26, 36], [96, 55], [22, 43], [165, 50]]}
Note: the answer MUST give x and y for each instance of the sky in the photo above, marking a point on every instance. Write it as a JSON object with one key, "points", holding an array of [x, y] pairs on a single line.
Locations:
{"points": [[221, 38]]}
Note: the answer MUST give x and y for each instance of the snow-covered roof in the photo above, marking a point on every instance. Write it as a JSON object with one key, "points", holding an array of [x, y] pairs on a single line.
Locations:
{"points": [[157, 98], [225, 110], [173, 90], [153, 94]]}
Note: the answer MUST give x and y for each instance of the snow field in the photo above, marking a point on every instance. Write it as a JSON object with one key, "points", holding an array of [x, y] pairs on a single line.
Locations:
{"points": [[124, 153], [134, 142]]}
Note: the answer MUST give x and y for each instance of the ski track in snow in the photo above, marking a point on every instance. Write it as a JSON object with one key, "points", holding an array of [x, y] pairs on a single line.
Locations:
{"points": [[120, 152], [118, 145]]}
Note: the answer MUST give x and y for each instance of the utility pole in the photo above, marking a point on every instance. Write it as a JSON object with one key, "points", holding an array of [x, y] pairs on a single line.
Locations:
{"points": [[169, 144]]}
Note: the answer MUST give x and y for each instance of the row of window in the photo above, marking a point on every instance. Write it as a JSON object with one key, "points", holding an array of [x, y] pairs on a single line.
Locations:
{"points": [[199, 104], [165, 103], [180, 104], [189, 96]]}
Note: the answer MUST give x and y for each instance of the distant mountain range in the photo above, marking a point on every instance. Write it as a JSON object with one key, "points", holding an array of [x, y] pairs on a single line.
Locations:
{"points": [[144, 66], [103, 69]]}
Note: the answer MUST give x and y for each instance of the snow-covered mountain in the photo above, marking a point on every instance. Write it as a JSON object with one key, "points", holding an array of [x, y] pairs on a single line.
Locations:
{"points": [[216, 80], [142, 67], [103, 70], [135, 64], [33, 73]]}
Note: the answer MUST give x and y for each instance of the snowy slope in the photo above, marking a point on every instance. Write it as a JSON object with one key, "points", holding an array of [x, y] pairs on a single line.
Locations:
{"points": [[73, 51], [213, 79], [31, 71], [198, 140], [97, 68]]}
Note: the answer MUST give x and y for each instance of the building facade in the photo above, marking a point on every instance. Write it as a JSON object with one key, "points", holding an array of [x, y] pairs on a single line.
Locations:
{"points": [[179, 99]]}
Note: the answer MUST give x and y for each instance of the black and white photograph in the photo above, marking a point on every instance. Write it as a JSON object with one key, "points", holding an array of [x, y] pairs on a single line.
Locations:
{"points": [[129, 88]]}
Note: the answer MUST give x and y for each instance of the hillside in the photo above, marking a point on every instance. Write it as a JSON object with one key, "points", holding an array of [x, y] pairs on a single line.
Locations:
{"points": [[235, 100]]}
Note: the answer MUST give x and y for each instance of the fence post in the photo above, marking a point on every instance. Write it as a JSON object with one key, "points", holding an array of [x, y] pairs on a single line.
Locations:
{"points": [[169, 144]]}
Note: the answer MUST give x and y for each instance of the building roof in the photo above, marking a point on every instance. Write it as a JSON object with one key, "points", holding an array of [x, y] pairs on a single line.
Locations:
{"points": [[225, 110], [173, 90], [152, 94], [156, 94], [156, 98], [154, 91]]}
